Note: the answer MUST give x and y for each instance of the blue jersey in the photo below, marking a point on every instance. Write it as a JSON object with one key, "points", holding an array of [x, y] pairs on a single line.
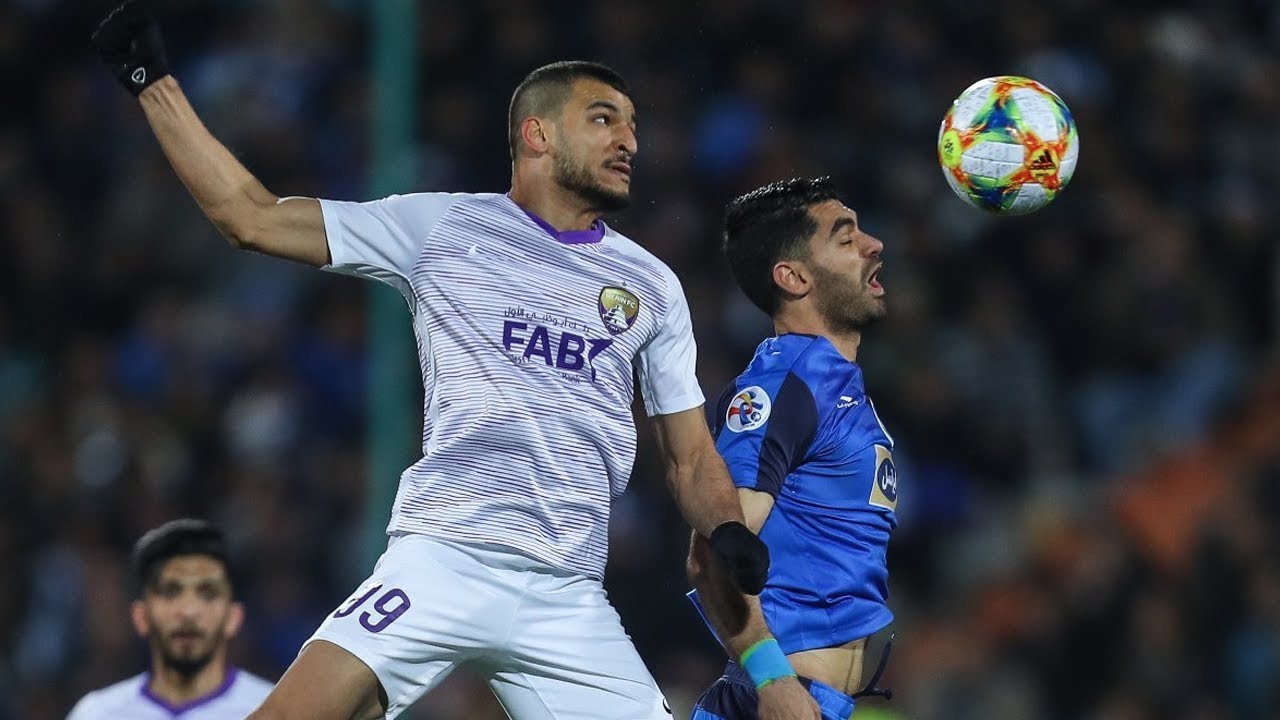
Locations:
{"points": [[798, 425]]}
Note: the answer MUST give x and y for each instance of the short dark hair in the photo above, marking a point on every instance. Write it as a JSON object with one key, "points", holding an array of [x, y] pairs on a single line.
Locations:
{"points": [[545, 91], [769, 224], [176, 538]]}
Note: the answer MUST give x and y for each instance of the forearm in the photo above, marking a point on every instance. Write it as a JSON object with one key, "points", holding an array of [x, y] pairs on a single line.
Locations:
{"points": [[737, 618], [224, 189], [704, 493]]}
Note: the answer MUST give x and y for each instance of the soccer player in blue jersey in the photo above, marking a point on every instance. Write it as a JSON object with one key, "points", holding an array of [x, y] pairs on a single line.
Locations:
{"points": [[812, 462]]}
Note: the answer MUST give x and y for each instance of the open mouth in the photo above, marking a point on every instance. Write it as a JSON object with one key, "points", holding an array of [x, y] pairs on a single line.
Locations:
{"points": [[873, 281]]}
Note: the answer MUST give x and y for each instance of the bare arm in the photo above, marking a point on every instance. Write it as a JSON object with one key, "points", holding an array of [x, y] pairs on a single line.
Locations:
{"points": [[244, 211], [738, 619], [696, 474]]}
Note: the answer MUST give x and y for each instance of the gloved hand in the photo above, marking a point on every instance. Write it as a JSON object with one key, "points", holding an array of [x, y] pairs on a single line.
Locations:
{"points": [[128, 41], [743, 554]]}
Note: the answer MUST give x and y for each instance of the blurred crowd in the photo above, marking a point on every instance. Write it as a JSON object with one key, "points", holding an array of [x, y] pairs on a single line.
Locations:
{"points": [[1085, 401]]}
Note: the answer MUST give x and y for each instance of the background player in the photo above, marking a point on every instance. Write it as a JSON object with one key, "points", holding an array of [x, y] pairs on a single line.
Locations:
{"points": [[811, 459], [531, 317], [186, 610]]}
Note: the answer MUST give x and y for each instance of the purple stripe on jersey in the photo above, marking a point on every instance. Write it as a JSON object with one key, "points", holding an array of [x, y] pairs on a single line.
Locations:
{"points": [[177, 710], [594, 234]]}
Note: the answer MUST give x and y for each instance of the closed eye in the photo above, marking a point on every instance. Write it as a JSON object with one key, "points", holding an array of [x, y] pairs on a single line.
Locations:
{"points": [[843, 224]]}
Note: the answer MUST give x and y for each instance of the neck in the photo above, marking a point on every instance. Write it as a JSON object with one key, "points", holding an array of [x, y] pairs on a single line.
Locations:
{"points": [[544, 198], [845, 342], [176, 689]]}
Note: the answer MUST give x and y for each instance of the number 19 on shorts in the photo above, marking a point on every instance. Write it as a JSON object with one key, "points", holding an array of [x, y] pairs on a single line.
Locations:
{"points": [[386, 609]]}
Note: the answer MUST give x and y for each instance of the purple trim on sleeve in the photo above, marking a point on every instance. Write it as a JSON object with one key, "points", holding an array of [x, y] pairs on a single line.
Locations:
{"points": [[176, 710], [593, 234]]}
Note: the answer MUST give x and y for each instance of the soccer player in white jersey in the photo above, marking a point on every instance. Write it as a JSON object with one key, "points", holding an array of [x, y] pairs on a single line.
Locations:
{"points": [[531, 316], [187, 612]]}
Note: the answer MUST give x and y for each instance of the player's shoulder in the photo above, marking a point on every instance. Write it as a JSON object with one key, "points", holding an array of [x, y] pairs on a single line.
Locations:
{"points": [[638, 255], [770, 377], [437, 199], [109, 701], [784, 355], [818, 361], [800, 370], [764, 392]]}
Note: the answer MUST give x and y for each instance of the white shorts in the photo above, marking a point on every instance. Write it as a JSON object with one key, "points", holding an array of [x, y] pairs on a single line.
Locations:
{"points": [[549, 642]]}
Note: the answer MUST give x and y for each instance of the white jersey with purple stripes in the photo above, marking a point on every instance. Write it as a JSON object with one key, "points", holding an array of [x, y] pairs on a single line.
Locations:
{"points": [[528, 339], [240, 694]]}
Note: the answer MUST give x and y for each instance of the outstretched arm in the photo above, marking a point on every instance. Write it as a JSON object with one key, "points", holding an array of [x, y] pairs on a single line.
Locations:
{"points": [[244, 211]]}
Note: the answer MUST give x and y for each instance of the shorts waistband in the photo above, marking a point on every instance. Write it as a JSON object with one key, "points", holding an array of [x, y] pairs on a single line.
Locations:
{"points": [[832, 702]]}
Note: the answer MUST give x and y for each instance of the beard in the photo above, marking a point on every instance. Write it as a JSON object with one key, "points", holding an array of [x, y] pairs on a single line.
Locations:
{"points": [[845, 305], [187, 663], [576, 177]]}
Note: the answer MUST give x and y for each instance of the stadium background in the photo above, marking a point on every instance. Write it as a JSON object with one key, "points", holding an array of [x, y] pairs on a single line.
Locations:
{"points": [[1086, 401]]}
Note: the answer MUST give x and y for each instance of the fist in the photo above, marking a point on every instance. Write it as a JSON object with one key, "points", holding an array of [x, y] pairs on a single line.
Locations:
{"points": [[128, 41]]}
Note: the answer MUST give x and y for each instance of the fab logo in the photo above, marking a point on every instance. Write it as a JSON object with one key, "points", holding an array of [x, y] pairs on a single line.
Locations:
{"points": [[561, 349]]}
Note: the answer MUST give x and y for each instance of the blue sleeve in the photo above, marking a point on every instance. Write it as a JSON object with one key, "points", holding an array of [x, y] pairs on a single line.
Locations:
{"points": [[763, 434]]}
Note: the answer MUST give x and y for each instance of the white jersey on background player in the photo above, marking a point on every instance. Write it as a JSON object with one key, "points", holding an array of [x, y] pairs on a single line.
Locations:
{"points": [[130, 699]]}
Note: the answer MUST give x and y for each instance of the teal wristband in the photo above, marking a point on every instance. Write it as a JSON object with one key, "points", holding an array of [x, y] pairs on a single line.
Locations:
{"points": [[765, 662]]}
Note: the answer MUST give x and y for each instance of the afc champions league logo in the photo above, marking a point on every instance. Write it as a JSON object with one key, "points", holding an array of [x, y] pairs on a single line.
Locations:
{"points": [[884, 486], [618, 309], [748, 410]]}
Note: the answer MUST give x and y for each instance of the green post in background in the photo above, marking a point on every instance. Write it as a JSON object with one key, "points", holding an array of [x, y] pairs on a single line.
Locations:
{"points": [[394, 431]]}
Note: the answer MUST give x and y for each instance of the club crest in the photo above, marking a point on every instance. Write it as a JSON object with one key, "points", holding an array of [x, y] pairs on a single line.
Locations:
{"points": [[618, 309], [748, 410]]}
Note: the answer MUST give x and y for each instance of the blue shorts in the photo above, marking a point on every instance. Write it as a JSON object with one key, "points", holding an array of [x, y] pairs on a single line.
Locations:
{"points": [[733, 697]]}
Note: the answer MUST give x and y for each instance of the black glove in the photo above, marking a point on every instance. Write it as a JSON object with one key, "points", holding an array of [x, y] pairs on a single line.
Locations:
{"points": [[743, 554], [129, 42]]}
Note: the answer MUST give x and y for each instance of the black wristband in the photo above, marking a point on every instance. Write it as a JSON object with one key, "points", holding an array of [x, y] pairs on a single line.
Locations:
{"points": [[744, 556]]}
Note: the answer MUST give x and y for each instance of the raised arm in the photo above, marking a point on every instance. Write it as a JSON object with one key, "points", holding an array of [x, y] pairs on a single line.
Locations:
{"points": [[244, 211]]}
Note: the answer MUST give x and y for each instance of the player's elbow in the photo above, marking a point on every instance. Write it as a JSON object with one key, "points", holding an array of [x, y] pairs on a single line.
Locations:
{"points": [[243, 216], [244, 229], [235, 236], [236, 225]]}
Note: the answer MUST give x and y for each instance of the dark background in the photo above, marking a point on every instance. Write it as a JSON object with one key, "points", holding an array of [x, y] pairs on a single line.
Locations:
{"points": [[1086, 401]]}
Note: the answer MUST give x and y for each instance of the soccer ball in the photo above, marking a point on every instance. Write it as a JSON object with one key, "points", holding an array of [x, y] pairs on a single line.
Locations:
{"points": [[1008, 145]]}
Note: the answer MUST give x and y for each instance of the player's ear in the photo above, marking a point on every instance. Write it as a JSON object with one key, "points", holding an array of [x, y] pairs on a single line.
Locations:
{"points": [[138, 614], [792, 277], [535, 134], [235, 618]]}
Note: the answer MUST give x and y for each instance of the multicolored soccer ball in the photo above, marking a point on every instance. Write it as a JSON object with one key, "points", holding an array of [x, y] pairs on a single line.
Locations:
{"points": [[1008, 145]]}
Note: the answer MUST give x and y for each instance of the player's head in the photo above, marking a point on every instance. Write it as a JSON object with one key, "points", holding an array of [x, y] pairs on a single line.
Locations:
{"points": [[186, 608], [794, 241], [576, 121]]}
